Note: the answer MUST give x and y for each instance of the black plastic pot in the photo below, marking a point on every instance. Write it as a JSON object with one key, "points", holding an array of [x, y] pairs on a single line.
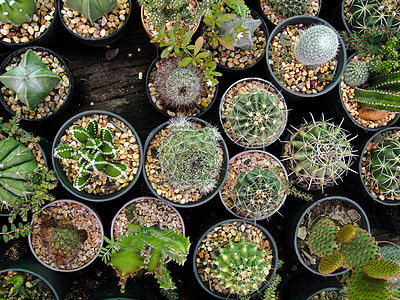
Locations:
{"points": [[341, 58], [299, 214], [200, 113], [68, 73], [61, 174], [103, 41], [111, 291], [270, 277], [360, 177], [222, 175]]}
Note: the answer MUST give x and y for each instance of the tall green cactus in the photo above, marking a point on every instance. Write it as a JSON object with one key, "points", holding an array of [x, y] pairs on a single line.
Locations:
{"points": [[17, 165], [31, 80], [257, 118], [17, 12], [92, 9], [95, 152]]}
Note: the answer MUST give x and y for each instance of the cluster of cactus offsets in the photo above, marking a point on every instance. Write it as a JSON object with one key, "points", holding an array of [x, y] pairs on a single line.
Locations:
{"points": [[242, 268], [318, 154], [258, 193], [95, 153], [179, 88], [257, 118], [17, 166], [31, 80], [387, 58], [17, 12], [289, 8], [356, 73], [385, 167], [190, 156], [316, 46], [92, 9], [366, 14]]}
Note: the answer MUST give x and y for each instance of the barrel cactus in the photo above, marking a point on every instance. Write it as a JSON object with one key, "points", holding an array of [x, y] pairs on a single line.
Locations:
{"points": [[17, 166], [289, 8], [17, 12], [31, 80], [92, 9], [316, 46], [356, 73]]}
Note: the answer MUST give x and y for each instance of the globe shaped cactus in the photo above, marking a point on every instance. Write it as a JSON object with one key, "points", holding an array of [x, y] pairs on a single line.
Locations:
{"points": [[356, 73]]}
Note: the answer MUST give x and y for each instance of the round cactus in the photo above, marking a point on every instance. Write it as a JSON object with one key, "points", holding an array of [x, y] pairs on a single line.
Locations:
{"points": [[356, 73], [289, 8], [17, 12], [316, 46], [17, 165]]}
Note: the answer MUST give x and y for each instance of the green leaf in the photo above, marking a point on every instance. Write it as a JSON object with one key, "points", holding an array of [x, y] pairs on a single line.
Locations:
{"points": [[13, 227], [226, 17], [198, 45], [185, 61], [4, 229], [216, 73], [6, 238], [207, 19], [203, 54], [225, 43], [166, 52]]}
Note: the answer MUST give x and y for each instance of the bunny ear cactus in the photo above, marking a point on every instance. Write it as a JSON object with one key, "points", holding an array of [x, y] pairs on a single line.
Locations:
{"points": [[17, 12], [92, 9], [322, 237], [31, 80]]}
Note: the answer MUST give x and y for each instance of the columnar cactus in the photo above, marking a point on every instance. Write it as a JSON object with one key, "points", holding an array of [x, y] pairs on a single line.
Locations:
{"points": [[257, 117], [17, 166], [92, 9], [289, 8], [95, 152], [242, 268], [17, 12], [318, 154], [316, 46], [190, 156], [31, 80], [356, 73]]}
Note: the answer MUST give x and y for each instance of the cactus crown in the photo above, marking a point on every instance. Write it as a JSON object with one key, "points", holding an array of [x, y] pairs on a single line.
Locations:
{"points": [[31, 80], [179, 88], [289, 8], [17, 12], [190, 156], [316, 46], [356, 73], [94, 153], [242, 268], [319, 153], [92, 9], [257, 118]]}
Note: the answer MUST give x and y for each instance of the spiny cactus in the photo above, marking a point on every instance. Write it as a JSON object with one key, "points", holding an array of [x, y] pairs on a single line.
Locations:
{"points": [[92, 9], [322, 237], [190, 156], [381, 269], [387, 58], [147, 248], [319, 153], [179, 88], [241, 267], [94, 153], [257, 118], [316, 46], [331, 262], [17, 12], [356, 73], [391, 253], [31, 80], [289, 8], [17, 166]]}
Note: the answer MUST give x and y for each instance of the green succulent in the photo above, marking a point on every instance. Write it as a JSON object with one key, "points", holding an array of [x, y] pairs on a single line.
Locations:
{"points": [[356, 73], [92, 9], [17, 12], [289, 8]]}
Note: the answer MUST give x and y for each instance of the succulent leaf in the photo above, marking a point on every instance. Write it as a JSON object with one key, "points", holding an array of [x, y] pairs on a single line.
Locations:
{"points": [[17, 12], [92, 9], [381, 269], [330, 262]]}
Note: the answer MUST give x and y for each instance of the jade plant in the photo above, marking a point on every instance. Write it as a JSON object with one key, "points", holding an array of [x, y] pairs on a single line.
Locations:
{"points": [[95, 153], [92, 9], [31, 80], [289, 8], [17, 12], [146, 249]]}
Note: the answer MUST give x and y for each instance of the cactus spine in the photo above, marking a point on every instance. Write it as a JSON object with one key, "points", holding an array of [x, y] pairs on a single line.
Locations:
{"points": [[289, 8], [356, 73], [17, 12], [92, 9], [316, 46]]}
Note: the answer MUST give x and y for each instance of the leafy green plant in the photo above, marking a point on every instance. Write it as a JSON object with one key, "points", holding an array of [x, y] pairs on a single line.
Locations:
{"points": [[92, 9], [17, 12]]}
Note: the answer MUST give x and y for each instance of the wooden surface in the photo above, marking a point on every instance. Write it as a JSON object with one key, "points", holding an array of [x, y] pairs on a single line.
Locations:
{"points": [[114, 85]]}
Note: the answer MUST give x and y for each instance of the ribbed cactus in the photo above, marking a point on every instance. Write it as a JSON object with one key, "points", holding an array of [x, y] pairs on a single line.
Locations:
{"points": [[316, 46], [289, 8], [356, 73], [258, 193], [318, 154], [241, 268], [322, 237], [17, 12], [360, 287], [190, 156], [95, 152], [92, 9], [257, 118], [17, 166], [31, 80]]}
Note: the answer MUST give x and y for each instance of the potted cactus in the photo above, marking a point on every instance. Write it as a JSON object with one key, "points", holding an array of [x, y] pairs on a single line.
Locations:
{"points": [[36, 82], [88, 159], [253, 113], [189, 157], [318, 154]]}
